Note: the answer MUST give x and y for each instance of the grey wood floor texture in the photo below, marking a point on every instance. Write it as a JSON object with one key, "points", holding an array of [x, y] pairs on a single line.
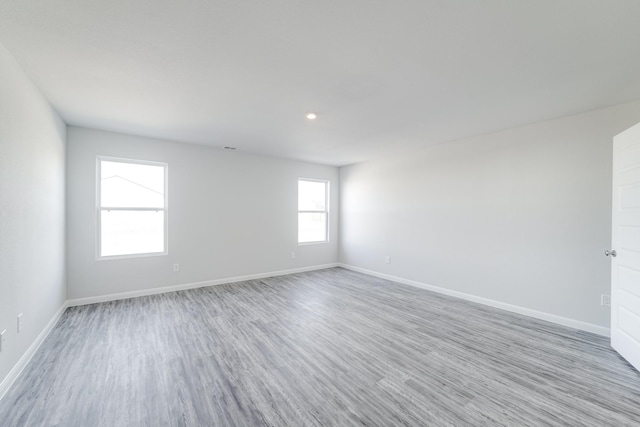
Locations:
{"points": [[324, 348]]}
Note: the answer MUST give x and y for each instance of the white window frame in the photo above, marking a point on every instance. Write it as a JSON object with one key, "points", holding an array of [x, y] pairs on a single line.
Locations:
{"points": [[100, 208], [325, 211]]}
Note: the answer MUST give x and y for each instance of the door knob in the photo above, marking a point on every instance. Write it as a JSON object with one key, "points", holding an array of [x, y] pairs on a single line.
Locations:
{"points": [[613, 253]]}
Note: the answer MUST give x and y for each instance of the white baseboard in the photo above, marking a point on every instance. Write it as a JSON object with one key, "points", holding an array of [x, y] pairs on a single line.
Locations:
{"points": [[165, 289], [560, 320], [26, 357], [8, 381]]}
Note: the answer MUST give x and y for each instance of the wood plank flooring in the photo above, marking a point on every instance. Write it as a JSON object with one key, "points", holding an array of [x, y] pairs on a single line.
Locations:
{"points": [[324, 348]]}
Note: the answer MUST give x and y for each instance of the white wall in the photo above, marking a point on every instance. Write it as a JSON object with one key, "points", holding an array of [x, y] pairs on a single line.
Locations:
{"points": [[520, 216], [230, 214], [32, 203]]}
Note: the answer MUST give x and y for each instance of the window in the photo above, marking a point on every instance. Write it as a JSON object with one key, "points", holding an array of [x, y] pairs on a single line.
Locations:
{"points": [[313, 211], [131, 208]]}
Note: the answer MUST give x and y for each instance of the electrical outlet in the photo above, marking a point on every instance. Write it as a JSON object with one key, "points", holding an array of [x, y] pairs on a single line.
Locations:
{"points": [[19, 325], [293, 255], [605, 300], [387, 260], [2, 335], [176, 268]]}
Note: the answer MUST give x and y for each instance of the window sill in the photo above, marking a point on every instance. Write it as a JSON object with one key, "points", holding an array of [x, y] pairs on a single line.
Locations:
{"points": [[312, 243], [110, 257]]}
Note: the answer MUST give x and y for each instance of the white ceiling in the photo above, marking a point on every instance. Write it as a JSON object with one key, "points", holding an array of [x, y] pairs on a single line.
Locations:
{"points": [[383, 75]]}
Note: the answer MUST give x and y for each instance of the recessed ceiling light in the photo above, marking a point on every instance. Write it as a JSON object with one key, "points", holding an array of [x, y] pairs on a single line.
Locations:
{"points": [[312, 116], [228, 147]]}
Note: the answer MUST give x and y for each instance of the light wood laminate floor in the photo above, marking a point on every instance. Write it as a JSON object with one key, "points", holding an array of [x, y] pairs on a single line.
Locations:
{"points": [[330, 347]]}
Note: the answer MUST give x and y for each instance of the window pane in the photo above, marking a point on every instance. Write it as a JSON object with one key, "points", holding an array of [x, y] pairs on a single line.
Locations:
{"points": [[130, 185], [312, 227], [311, 195], [131, 232]]}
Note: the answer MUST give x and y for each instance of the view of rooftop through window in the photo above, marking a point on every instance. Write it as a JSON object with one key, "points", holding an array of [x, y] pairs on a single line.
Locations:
{"points": [[132, 208], [312, 211]]}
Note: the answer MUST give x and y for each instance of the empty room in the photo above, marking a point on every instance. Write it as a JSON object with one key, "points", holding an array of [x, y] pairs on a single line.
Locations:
{"points": [[292, 213]]}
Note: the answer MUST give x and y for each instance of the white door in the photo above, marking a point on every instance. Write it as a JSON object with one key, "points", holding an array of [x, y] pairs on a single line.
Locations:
{"points": [[625, 250]]}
